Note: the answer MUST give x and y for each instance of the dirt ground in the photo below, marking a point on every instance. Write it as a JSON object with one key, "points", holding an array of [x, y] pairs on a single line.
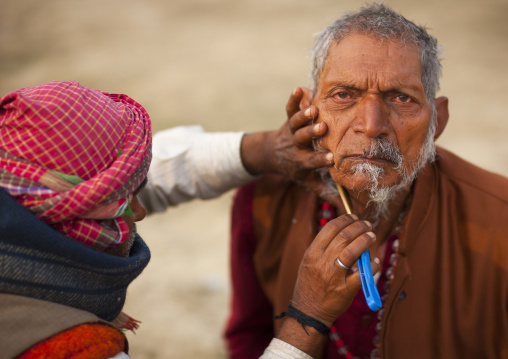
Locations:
{"points": [[231, 65]]}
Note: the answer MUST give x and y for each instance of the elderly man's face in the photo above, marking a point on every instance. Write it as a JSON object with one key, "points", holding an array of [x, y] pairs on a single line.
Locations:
{"points": [[370, 90]]}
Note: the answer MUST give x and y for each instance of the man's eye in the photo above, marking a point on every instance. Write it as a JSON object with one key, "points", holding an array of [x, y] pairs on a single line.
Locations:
{"points": [[342, 95], [404, 98]]}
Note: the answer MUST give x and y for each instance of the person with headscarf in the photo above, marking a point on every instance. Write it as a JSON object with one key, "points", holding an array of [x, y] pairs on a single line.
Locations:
{"points": [[72, 158], [72, 163]]}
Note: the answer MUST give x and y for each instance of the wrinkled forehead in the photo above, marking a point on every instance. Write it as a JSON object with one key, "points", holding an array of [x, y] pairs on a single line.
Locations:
{"points": [[359, 57]]}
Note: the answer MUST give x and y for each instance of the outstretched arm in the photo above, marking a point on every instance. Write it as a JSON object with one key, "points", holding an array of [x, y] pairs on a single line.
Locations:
{"points": [[189, 163]]}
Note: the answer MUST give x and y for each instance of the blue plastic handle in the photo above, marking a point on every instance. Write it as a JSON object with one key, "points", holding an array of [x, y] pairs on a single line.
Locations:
{"points": [[368, 284]]}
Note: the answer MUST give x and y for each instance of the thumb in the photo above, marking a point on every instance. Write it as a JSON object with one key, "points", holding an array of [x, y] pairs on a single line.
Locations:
{"points": [[307, 97], [375, 265], [354, 280]]}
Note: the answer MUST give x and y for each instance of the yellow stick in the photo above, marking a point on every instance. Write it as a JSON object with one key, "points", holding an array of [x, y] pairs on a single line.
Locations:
{"points": [[344, 198]]}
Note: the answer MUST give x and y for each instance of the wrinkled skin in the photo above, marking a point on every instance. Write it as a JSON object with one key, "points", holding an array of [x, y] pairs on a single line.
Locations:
{"points": [[371, 89], [288, 151], [323, 289], [297, 158], [293, 141]]}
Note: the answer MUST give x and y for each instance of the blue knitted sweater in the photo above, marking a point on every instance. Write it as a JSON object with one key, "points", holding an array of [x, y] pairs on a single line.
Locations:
{"points": [[37, 261]]}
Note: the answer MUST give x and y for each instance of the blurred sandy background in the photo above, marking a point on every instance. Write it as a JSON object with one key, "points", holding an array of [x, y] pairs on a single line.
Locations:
{"points": [[231, 65]]}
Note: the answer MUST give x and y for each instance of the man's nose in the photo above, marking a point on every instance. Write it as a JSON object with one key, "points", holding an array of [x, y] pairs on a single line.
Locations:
{"points": [[138, 209], [372, 117]]}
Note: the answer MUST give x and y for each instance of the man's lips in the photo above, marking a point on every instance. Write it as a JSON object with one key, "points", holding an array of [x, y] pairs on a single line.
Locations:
{"points": [[364, 158]]}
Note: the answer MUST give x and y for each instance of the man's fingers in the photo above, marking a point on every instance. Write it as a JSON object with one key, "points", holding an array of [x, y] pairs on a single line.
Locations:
{"points": [[351, 242], [350, 254], [307, 132], [320, 159], [293, 104], [307, 97], [354, 282], [302, 118], [331, 230]]}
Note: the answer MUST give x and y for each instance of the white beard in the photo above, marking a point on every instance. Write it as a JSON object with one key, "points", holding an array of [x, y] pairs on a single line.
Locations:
{"points": [[380, 197]]}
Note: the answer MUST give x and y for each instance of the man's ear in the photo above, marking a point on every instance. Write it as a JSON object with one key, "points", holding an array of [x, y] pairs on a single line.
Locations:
{"points": [[441, 104]]}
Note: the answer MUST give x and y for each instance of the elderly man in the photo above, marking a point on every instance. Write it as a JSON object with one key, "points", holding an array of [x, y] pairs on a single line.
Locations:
{"points": [[440, 222], [72, 163]]}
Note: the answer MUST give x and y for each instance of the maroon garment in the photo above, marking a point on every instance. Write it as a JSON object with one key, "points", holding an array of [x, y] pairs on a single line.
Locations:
{"points": [[250, 327], [449, 295], [251, 310]]}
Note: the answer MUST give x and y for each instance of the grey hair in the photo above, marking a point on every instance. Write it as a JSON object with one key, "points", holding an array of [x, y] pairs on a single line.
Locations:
{"points": [[380, 21]]}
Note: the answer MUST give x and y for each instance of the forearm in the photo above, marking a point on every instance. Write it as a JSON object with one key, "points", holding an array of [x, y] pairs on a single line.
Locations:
{"points": [[308, 340], [258, 153], [189, 163]]}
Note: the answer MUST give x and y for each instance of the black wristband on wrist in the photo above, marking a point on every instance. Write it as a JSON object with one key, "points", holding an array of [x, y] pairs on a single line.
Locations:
{"points": [[304, 320]]}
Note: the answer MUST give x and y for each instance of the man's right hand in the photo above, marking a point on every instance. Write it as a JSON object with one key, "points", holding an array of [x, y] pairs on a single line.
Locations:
{"points": [[324, 290]]}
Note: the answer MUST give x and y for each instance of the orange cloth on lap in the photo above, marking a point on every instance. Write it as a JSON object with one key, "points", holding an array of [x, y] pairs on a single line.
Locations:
{"points": [[96, 341]]}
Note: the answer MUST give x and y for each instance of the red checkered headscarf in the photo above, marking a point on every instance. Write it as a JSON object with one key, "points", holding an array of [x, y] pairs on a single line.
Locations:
{"points": [[74, 156]]}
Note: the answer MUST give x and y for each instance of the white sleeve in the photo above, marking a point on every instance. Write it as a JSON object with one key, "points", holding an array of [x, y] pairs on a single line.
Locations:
{"points": [[279, 349], [189, 163], [121, 355]]}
